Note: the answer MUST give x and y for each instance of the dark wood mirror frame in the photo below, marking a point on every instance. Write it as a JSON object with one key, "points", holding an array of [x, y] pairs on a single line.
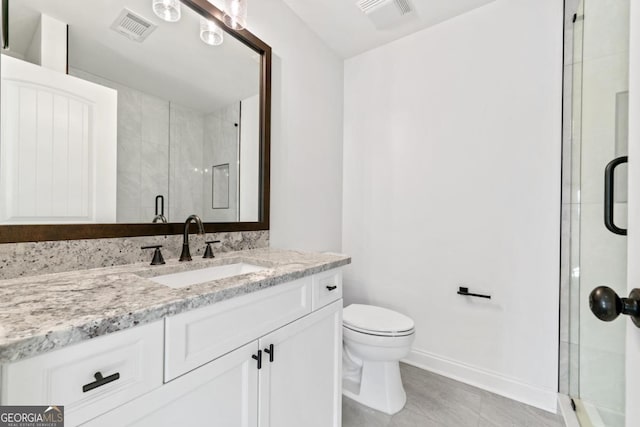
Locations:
{"points": [[35, 233]]}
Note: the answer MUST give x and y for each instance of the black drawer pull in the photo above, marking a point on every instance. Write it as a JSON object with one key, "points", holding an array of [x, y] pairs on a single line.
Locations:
{"points": [[270, 352], [331, 288], [258, 358], [100, 381]]}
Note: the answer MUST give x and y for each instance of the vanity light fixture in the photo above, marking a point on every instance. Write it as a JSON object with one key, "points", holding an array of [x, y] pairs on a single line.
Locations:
{"points": [[168, 10], [235, 14], [210, 32]]}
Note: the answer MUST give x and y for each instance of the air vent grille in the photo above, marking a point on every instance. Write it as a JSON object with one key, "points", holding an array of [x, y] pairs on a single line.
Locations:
{"points": [[404, 7], [367, 5], [133, 26]]}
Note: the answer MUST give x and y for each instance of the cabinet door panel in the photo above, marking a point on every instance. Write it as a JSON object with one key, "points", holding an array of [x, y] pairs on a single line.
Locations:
{"points": [[221, 393], [59, 376], [199, 336], [302, 386]]}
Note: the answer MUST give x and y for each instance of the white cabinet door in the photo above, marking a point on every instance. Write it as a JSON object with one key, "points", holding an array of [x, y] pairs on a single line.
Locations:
{"points": [[59, 147], [223, 392], [302, 385]]}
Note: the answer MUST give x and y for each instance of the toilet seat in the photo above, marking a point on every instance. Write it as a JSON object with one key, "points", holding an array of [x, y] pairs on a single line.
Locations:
{"points": [[380, 334], [377, 321]]}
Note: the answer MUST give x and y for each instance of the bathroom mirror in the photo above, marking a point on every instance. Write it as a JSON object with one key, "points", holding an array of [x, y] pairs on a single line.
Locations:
{"points": [[113, 118]]}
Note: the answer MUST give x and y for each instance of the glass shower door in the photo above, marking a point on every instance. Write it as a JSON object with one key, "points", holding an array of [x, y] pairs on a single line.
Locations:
{"points": [[599, 256]]}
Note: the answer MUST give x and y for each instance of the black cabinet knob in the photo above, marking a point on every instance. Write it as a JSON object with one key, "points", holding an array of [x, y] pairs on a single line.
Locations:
{"points": [[606, 305]]}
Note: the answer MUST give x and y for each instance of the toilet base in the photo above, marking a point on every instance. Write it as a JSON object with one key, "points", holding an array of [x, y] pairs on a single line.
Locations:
{"points": [[380, 387]]}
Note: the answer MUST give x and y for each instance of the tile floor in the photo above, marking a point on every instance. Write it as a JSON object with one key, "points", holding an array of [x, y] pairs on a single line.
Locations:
{"points": [[437, 401]]}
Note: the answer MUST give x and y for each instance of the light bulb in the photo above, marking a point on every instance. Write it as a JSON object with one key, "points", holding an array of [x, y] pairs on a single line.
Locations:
{"points": [[235, 14], [210, 32], [168, 10]]}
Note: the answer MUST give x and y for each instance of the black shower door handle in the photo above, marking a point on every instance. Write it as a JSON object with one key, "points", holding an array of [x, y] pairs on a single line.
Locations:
{"points": [[609, 195]]}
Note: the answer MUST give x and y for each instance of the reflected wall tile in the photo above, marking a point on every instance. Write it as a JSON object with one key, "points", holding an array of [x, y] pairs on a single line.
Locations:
{"points": [[574, 369], [129, 153], [128, 193], [563, 368], [602, 79], [155, 120], [574, 277], [129, 113], [605, 17], [602, 379], [603, 261], [612, 418], [565, 271], [154, 177]]}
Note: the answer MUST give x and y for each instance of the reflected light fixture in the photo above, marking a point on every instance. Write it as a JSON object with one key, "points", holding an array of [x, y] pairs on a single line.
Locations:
{"points": [[210, 32], [235, 14], [168, 10]]}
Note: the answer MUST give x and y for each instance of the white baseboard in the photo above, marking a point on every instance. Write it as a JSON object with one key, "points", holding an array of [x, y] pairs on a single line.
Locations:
{"points": [[487, 380]]}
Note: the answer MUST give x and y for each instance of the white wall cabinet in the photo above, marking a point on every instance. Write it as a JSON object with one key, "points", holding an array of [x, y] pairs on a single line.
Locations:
{"points": [[265, 359]]}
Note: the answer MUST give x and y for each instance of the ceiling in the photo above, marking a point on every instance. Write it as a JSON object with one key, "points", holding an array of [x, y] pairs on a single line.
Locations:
{"points": [[349, 31], [172, 63]]}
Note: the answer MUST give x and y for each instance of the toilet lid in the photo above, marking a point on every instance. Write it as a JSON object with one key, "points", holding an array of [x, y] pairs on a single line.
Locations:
{"points": [[369, 318]]}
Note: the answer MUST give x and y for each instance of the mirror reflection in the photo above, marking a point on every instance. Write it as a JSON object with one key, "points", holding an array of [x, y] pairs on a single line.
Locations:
{"points": [[111, 114]]}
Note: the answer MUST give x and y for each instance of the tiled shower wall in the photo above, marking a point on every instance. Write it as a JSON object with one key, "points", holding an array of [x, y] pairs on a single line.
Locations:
{"points": [[143, 151], [185, 166], [168, 149], [221, 147]]}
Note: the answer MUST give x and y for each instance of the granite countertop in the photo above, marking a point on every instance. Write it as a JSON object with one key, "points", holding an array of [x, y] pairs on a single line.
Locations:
{"points": [[47, 312]]}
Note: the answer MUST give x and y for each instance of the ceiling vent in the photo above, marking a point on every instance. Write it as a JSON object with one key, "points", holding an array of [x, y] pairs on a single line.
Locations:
{"points": [[133, 26], [386, 13]]}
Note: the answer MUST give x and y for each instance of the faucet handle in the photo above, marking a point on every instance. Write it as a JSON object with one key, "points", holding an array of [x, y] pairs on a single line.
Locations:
{"points": [[157, 255], [208, 251]]}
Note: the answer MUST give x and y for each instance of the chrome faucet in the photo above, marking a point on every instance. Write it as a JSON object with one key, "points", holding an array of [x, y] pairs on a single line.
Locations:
{"points": [[186, 255]]}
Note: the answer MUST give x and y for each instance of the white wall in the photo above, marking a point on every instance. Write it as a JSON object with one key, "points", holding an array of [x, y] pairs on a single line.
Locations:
{"points": [[452, 177], [306, 131]]}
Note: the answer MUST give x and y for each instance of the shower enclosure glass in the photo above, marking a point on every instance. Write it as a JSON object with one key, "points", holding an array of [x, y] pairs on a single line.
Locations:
{"points": [[599, 71]]}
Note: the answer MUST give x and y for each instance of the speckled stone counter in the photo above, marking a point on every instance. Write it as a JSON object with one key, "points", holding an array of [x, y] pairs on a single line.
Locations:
{"points": [[47, 312]]}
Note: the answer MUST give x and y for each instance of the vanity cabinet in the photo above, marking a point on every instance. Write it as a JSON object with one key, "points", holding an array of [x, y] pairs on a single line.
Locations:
{"points": [[302, 386], [129, 361], [270, 358], [223, 392], [299, 386]]}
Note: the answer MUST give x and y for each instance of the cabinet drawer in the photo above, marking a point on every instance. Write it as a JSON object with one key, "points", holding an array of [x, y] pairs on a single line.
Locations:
{"points": [[199, 336], [327, 287], [58, 377]]}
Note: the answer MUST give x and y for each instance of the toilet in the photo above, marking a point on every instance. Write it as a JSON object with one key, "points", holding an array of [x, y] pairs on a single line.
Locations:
{"points": [[374, 341]]}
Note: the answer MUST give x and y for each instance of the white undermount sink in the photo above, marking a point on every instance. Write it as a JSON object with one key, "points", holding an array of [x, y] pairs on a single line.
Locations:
{"points": [[193, 277]]}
